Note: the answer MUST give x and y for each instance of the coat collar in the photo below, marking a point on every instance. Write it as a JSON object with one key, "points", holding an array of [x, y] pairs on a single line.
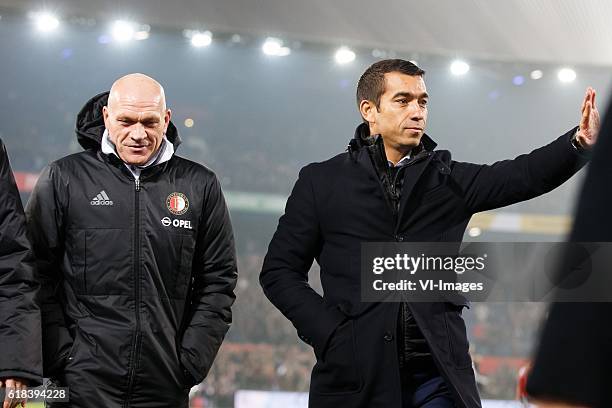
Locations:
{"points": [[363, 138], [358, 150]]}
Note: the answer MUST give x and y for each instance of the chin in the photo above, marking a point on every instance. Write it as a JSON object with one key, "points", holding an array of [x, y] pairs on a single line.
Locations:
{"points": [[411, 143], [135, 161]]}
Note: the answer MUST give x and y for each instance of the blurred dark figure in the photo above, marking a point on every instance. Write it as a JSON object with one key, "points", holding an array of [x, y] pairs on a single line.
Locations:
{"points": [[573, 364], [20, 343]]}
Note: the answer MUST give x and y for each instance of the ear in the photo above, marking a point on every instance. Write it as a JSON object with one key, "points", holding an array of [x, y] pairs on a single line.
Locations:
{"points": [[368, 111], [167, 118], [105, 115]]}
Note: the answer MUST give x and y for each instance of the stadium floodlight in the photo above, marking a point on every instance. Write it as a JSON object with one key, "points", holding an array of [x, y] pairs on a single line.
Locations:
{"points": [[474, 232], [283, 52], [46, 22], [536, 74], [123, 31], [459, 67], [344, 55], [141, 35], [274, 47], [143, 32], [201, 39], [566, 75], [518, 80]]}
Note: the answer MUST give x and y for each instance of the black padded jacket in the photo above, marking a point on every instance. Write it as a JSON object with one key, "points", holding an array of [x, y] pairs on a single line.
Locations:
{"points": [[137, 276]]}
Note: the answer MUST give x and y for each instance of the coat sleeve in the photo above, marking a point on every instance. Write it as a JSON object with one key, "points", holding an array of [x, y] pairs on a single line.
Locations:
{"points": [[284, 276], [20, 338], [506, 182], [44, 213], [214, 279]]}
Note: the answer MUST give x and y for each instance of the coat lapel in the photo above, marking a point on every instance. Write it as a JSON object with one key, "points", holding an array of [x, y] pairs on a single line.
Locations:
{"points": [[412, 175]]}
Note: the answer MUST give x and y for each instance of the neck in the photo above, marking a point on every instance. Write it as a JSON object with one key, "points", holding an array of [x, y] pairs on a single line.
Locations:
{"points": [[394, 155]]}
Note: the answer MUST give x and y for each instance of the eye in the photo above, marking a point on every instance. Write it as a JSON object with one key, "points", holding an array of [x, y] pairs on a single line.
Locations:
{"points": [[424, 102], [403, 101]]}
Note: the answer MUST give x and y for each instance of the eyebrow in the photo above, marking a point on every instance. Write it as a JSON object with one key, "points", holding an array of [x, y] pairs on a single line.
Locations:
{"points": [[410, 95]]}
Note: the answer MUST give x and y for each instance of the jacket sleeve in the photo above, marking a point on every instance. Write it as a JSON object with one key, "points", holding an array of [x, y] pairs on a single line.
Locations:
{"points": [[214, 279], [44, 213], [506, 182], [284, 276], [20, 337]]}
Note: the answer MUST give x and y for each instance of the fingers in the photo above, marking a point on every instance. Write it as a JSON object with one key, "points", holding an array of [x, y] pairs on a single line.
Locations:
{"points": [[9, 397], [584, 101], [23, 387], [588, 96], [586, 113], [11, 400]]}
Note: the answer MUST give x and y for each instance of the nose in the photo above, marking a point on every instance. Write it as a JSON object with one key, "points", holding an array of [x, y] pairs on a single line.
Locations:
{"points": [[138, 133], [417, 112]]}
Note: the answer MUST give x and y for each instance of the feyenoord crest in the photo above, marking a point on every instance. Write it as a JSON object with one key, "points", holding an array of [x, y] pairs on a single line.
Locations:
{"points": [[177, 203]]}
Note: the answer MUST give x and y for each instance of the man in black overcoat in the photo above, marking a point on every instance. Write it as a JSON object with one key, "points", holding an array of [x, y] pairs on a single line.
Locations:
{"points": [[392, 185]]}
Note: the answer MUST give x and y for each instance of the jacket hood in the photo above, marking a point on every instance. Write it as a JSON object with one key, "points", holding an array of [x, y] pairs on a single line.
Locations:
{"points": [[90, 124], [363, 138]]}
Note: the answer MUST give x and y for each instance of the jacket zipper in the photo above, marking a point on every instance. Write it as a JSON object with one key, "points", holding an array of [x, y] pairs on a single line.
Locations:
{"points": [[404, 306], [136, 343], [418, 158]]}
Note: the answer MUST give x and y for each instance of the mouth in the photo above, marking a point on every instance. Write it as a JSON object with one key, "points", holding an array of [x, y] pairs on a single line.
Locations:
{"points": [[415, 129], [137, 149]]}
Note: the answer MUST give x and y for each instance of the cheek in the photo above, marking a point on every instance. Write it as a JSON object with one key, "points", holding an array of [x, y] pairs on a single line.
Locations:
{"points": [[120, 135], [155, 137], [114, 134]]}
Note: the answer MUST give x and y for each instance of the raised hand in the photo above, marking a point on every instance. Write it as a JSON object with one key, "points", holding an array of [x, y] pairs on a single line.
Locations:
{"points": [[589, 123]]}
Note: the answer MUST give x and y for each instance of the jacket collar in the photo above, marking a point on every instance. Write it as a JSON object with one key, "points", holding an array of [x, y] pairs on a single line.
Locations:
{"points": [[363, 138]]}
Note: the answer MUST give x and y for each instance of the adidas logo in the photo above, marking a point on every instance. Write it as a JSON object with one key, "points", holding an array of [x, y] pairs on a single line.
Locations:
{"points": [[101, 199]]}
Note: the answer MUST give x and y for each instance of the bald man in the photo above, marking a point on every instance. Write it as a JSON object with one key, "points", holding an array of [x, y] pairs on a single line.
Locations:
{"points": [[136, 257]]}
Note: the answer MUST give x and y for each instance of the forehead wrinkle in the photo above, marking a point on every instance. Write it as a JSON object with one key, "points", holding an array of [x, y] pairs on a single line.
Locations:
{"points": [[142, 115], [135, 105]]}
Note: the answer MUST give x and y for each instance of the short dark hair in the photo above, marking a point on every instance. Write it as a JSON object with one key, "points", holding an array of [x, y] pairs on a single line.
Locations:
{"points": [[371, 85]]}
